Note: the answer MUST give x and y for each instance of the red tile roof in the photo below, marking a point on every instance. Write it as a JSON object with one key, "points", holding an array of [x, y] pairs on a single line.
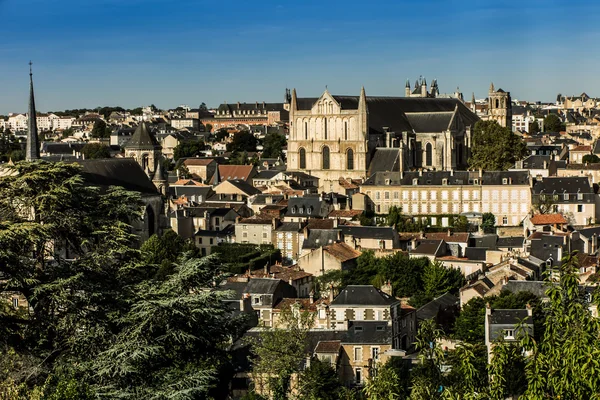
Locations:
{"points": [[461, 237], [227, 172], [304, 303], [548, 219], [582, 148], [187, 182], [342, 251], [344, 213], [198, 161], [328, 346]]}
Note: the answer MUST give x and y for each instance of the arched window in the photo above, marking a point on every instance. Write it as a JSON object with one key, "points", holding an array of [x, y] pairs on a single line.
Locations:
{"points": [[325, 128], [497, 103], [306, 130], [428, 154], [325, 154], [302, 158], [346, 130], [349, 159]]}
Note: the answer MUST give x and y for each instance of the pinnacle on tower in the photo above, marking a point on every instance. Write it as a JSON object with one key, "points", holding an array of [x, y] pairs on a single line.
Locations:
{"points": [[492, 90], [32, 149], [407, 84]]}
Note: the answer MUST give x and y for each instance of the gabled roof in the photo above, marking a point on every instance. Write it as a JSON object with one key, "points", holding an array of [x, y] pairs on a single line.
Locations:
{"points": [[431, 309], [229, 172], [142, 139], [369, 232], [509, 317], [328, 347], [262, 286], [547, 219], [242, 185], [124, 172], [363, 295], [342, 251], [198, 161], [453, 237]]}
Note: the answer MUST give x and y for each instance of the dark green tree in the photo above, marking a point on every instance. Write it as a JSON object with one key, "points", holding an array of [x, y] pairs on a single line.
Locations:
{"points": [[273, 144], [488, 223], [188, 149], [552, 123], [494, 147], [534, 127], [95, 151], [100, 130], [319, 382], [590, 158], [163, 251], [242, 141]]}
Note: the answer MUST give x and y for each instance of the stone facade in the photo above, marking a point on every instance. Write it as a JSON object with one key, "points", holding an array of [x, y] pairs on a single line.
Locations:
{"points": [[500, 107]]}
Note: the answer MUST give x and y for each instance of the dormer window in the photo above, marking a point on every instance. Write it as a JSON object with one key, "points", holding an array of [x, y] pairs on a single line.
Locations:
{"points": [[294, 210], [504, 181], [309, 210], [445, 181], [476, 181], [301, 210], [579, 196], [415, 181], [566, 196]]}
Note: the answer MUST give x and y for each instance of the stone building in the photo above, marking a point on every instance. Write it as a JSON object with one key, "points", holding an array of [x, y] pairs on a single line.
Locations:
{"points": [[144, 148], [352, 137], [500, 107]]}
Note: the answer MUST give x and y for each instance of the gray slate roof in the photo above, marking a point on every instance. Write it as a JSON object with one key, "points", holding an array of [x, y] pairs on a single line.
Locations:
{"points": [[124, 172], [509, 317], [370, 232], [142, 139], [366, 295], [261, 286], [431, 309]]}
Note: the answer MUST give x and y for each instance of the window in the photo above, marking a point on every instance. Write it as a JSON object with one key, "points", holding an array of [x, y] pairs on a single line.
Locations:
{"points": [[396, 195], [15, 302], [509, 334], [579, 196], [346, 132], [280, 235], [305, 131], [289, 236], [325, 156], [264, 235], [377, 195], [566, 196], [245, 234], [504, 221], [199, 240], [579, 207], [428, 154], [302, 155], [358, 375], [358, 353], [256, 300], [325, 128], [386, 195], [350, 159], [375, 353], [211, 241]]}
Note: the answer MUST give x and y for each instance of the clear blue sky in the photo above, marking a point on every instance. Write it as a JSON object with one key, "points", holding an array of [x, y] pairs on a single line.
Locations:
{"points": [[137, 52]]}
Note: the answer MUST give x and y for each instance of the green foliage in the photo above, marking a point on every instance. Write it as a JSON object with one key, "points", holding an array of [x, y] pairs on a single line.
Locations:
{"points": [[16, 155], [95, 150], [488, 223], [385, 385], [172, 340], [494, 147], [544, 204], [163, 251], [221, 134], [438, 280], [238, 258], [552, 123], [590, 158], [273, 368], [242, 141], [534, 127], [188, 149], [100, 130], [319, 382], [273, 144], [68, 132], [367, 218]]}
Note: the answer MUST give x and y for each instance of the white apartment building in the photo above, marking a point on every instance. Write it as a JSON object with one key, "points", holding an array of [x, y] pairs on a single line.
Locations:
{"points": [[440, 195]]}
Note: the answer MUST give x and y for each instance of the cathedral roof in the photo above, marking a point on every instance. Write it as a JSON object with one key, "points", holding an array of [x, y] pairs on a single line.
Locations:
{"points": [[430, 122], [142, 138], [384, 159], [125, 172]]}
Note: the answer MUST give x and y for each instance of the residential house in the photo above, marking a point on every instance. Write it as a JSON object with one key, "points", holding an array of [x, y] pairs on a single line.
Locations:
{"points": [[328, 257], [301, 209], [504, 325], [201, 168], [256, 230], [370, 237], [573, 197], [265, 293], [288, 238], [577, 153]]}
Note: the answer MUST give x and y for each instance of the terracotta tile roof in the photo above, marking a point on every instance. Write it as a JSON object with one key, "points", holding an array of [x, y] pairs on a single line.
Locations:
{"points": [[582, 148], [342, 251], [283, 273], [328, 346], [347, 184], [198, 161], [461, 237], [227, 172], [187, 182], [344, 213], [548, 219], [314, 223], [586, 260]]}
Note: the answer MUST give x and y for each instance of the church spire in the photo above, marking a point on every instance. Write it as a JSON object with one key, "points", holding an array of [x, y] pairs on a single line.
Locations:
{"points": [[32, 150], [492, 90]]}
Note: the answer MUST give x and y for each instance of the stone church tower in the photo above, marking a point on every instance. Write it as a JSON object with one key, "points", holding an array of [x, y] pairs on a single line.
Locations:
{"points": [[144, 148], [500, 107]]}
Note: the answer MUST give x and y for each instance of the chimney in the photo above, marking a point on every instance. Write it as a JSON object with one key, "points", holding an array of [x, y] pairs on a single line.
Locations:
{"points": [[488, 309], [451, 171], [266, 269], [529, 309], [480, 173], [449, 232], [311, 296], [594, 243], [331, 296], [335, 222]]}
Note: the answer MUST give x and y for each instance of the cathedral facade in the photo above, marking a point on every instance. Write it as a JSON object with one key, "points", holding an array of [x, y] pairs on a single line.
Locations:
{"points": [[352, 137]]}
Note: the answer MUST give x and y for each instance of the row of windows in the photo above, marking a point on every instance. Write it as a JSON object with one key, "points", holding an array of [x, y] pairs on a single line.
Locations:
{"points": [[456, 195], [325, 156], [432, 208], [325, 130]]}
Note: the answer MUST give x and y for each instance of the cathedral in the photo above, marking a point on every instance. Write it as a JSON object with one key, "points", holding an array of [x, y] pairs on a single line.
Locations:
{"points": [[352, 137]]}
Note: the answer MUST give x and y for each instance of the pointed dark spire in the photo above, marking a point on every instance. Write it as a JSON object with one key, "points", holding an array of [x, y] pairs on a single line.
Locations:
{"points": [[32, 149]]}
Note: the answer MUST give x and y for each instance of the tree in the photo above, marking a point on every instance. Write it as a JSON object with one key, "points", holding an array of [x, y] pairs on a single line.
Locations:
{"points": [[221, 134], [188, 149], [319, 382], [100, 130], [242, 141], [544, 204], [553, 123], [95, 151], [68, 132], [494, 147], [534, 127], [385, 385], [273, 368], [438, 279], [208, 127], [171, 342], [488, 223], [163, 252], [590, 159], [273, 144], [203, 107]]}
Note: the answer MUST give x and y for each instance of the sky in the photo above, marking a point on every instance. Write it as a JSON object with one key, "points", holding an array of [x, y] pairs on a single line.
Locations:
{"points": [[132, 53]]}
